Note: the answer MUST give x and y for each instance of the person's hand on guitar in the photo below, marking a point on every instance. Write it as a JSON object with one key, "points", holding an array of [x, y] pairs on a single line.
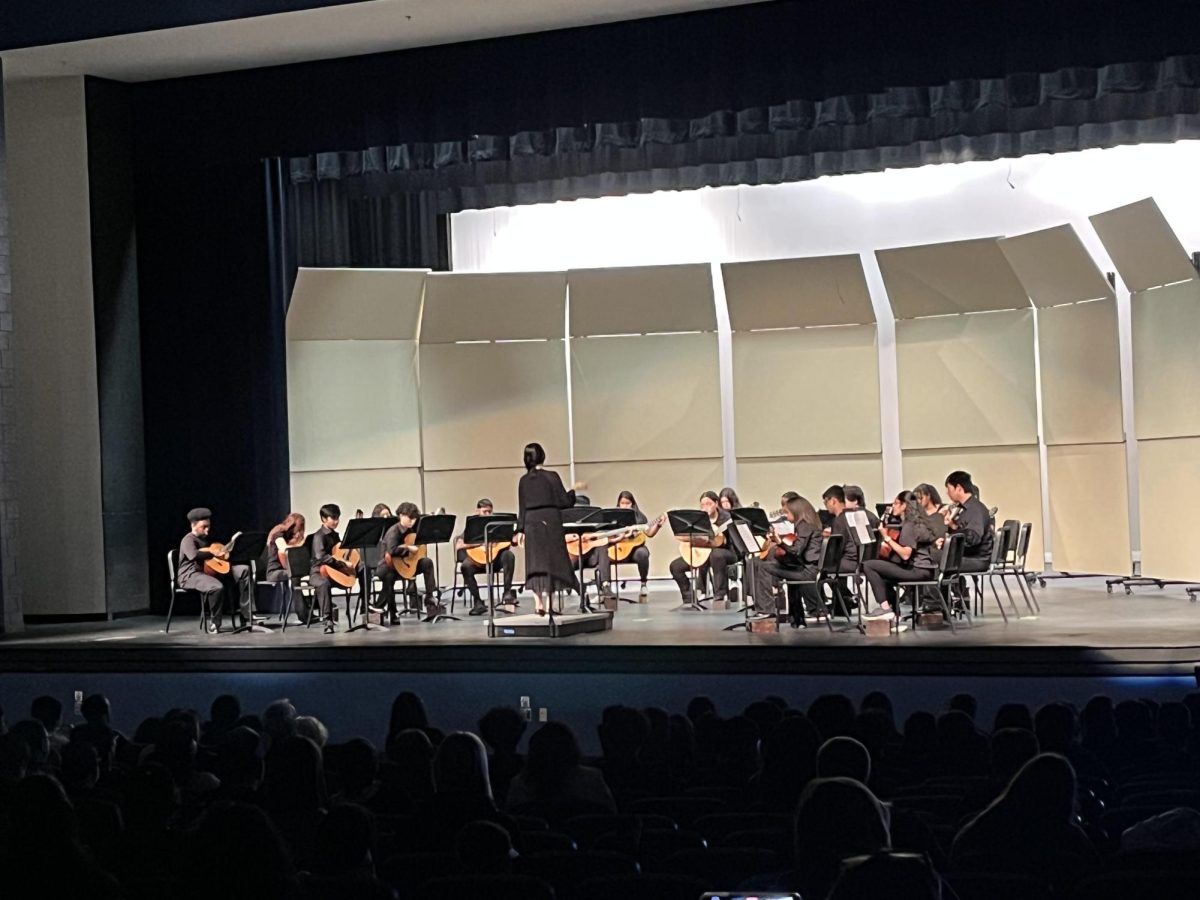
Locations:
{"points": [[519, 539]]}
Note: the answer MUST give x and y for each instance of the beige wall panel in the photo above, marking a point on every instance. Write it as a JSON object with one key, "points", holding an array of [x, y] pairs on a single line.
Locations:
{"points": [[1169, 480], [493, 307], [352, 405], [967, 381], [659, 485], [960, 276], [1008, 477], [1081, 373], [834, 370], [782, 293], [642, 299], [1055, 267], [1143, 246], [482, 403], [351, 490], [765, 480], [57, 451], [355, 304], [1089, 508], [649, 397], [1166, 361]]}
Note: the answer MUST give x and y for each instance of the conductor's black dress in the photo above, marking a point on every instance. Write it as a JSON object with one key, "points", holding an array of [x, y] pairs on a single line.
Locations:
{"points": [[541, 499]]}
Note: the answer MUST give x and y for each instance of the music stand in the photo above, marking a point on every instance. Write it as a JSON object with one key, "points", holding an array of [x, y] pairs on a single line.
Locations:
{"points": [[361, 535], [585, 520], [431, 530], [691, 523], [618, 518], [747, 546], [498, 528], [248, 548]]}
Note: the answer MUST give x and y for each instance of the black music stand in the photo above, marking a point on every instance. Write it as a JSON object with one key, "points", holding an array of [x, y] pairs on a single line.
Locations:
{"points": [[586, 524], [362, 535], [618, 518], [755, 518], [691, 523], [498, 528], [248, 549], [431, 530]]}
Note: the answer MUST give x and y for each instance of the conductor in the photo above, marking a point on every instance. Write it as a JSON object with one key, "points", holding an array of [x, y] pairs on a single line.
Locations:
{"points": [[541, 499]]}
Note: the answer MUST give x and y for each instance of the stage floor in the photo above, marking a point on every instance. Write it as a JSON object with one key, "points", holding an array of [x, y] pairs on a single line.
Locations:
{"points": [[1082, 630]]}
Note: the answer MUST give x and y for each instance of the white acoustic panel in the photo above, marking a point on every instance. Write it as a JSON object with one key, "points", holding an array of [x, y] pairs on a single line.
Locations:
{"points": [[482, 403], [967, 381], [1081, 373], [1089, 508], [642, 300], [352, 405], [956, 277], [782, 293], [1054, 267], [764, 481], [659, 486], [647, 397], [352, 489], [831, 374], [1166, 361], [1143, 246], [493, 307], [1169, 479], [355, 304], [1008, 477]]}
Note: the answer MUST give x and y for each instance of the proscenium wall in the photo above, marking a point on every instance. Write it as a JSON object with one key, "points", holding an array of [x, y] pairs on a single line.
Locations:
{"points": [[10, 591]]}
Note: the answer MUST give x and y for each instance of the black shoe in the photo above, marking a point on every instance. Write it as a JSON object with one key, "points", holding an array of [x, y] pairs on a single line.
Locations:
{"points": [[330, 628], [510, 598], [212, 627], [478, 610]]}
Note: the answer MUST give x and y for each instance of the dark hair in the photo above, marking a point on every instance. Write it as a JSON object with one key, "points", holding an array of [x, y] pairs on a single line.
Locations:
{"points": [[854, 493], [407, 712], [804, 511], [534, 456], [728, 493], [331, 511], [94, 708], [788, 495], [379, 509], [711, 495], [501, 727], [409, 510], [484, 502], [293, 527], [929, 491], [48, 711], [960, 479], [627, 495], [226, 710], [553, 754], [834, 492]]}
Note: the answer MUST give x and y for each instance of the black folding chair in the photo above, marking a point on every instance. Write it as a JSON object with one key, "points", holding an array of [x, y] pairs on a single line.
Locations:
{"points": [[943, 582], [828, 573]]}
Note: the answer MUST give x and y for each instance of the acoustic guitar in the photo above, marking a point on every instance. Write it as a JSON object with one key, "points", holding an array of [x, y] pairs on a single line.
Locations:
{"points": [[406, 563], [695, 555], [479, 553], [216, 567], [351, 559], [620, 548]]}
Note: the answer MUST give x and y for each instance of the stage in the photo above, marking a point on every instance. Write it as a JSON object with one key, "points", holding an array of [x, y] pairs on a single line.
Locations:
{"points": [[1083, 631]]}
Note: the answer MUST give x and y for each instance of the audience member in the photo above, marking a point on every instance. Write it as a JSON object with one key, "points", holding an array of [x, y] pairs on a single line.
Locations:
{"points": [[313, 729], [844, 757], [555, 780], [502, 728]]}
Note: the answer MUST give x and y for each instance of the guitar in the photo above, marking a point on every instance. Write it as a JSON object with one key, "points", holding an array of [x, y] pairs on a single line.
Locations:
{"points": [[885, 549], [479, 553], [620, 548], [218, 567], [696, 555], [349, 558], [406, 563], [614, 537]]}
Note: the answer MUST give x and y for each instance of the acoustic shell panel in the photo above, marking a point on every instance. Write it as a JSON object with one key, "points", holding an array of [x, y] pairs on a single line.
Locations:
{"points": [[352, 489], [481, 403], [493, 307], [658, 485], [1143, 246], [352, 405], [1081, 373], [764, 481], [1166, 361], [956, 277], [783, 293], [1087, 482], [1054, 267], [832, 374], [967, 381], [641, 300], [1008, 478], [647, 397], [355, 304], [1169, 480]]}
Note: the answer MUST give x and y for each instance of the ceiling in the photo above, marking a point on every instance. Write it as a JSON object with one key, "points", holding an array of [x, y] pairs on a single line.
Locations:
{"points": [[350, 29]]}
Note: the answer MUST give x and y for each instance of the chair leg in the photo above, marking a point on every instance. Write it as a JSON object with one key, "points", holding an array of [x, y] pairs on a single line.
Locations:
{"points": [[171, 610], [1027, 591]]}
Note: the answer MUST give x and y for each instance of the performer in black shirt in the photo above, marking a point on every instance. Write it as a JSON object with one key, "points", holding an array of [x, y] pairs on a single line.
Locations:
{"points": [[191, 575], [393, 545], [729, 499], [288, 533], [323, 542], [856, 499], [639, 555], [505, 562], [973, 520], [718, 562], [541, 499], [794, 556], [914, 554]]}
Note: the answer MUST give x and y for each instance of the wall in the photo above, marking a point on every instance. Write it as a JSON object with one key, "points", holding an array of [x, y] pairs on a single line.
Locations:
{"points": [[10, 588]]}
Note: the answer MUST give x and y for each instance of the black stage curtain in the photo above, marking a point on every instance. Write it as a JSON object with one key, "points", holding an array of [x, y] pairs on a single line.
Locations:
{"points": [[747, 94]]}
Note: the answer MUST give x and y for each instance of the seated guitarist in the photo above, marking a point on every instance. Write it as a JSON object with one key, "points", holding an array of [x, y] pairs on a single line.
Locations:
{"points": [[718, 562], [393, 545], [323, 542], [505, 561], [794, 556], [639, 555], [288, 533], [191, 575]]}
